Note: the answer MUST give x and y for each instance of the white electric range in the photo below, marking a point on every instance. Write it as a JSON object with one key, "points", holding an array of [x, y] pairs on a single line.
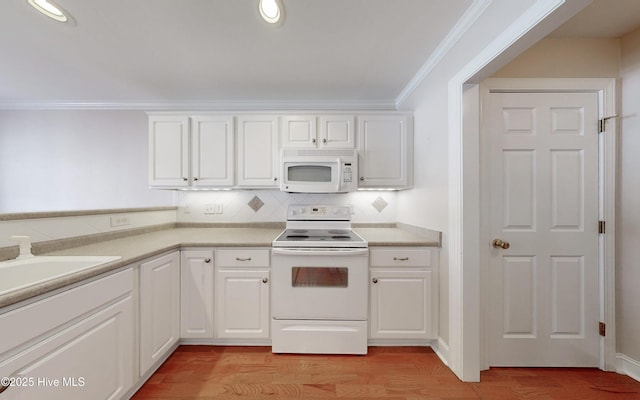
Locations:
{"points": [[319, 283]]}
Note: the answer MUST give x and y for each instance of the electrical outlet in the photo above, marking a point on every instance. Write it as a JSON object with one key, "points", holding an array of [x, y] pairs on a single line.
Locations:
{"points": [[120, 221], [214, 208]]}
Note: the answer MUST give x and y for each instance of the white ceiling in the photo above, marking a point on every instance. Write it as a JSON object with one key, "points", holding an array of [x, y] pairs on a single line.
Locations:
{"points": [[159, 51], [171, 52]]}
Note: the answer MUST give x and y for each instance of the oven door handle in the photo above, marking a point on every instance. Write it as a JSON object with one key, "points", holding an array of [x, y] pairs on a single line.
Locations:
{"points": [[320, 252]]}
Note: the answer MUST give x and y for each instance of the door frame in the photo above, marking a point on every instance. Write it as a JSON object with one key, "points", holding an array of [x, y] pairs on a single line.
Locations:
{"points": [[606, 90]]}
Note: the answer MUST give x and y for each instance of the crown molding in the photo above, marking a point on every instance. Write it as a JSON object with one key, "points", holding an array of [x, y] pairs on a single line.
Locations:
{"points": [[206, 105], [464, 23]]}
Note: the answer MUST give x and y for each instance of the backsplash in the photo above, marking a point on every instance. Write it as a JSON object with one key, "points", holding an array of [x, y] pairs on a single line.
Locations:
{"points": [[271, 205], [237, 206]]}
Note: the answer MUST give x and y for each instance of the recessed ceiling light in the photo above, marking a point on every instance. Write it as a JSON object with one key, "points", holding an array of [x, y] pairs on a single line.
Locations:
{"points": [[51, 10], [271, 10]]}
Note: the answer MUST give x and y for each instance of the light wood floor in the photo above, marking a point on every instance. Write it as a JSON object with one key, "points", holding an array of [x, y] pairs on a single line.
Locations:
{"points": [[399, 373]]}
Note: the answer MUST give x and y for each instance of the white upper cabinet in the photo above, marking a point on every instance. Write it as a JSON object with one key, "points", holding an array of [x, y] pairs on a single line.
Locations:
{"points": [[299, 131], [243, 151], [258, 151], [337, 131], [385, 153], [191, 151], [212, 151], [323, 131], [168, 151]]}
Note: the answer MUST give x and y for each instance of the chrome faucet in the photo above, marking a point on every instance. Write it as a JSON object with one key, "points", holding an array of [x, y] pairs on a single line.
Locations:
{"points": [[25, 246]]}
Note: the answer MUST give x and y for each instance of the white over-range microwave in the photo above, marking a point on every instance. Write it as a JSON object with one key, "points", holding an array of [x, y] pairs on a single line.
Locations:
{"points": [[319, 171]]}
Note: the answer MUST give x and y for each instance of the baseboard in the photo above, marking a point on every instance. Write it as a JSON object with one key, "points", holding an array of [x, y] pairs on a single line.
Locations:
{"points": [[628, 366], [442, 350]]}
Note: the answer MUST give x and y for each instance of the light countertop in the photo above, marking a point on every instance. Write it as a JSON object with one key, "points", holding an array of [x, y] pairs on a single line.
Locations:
{"points": [[136, 248]]}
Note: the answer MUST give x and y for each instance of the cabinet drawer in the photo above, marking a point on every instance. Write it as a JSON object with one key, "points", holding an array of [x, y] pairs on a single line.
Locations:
{"points": [[401, 257], [42, 317], [243, 258]]}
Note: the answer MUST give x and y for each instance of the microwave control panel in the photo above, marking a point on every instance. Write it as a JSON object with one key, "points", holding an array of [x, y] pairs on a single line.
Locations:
{"points": [[347, 174]]}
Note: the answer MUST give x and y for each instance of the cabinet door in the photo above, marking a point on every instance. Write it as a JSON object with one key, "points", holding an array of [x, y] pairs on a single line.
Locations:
{"points": [[242, 303], [213, 149], [90, 359], [299, 131], [196, 294], [401, 304], [258, 151], [168, 151], [159, 308], [384, 158], [337, 131]]}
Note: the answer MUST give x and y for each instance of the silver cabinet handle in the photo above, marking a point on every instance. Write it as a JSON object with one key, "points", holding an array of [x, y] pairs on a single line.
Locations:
{"points": [[265, 280], [400, 258], [207, 260], [243, 259], [374, 280]]}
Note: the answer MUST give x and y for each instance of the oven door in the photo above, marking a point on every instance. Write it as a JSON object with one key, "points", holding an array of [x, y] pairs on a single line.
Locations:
{"points": [[320, 284]]}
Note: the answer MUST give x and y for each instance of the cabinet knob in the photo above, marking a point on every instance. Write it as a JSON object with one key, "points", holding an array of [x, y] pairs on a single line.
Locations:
{"points": [[362, 178], [313, 140], [324, 140], [207, 260], [195, 179], [275, 178], [265, 280], [374, 280], [185, 179]]}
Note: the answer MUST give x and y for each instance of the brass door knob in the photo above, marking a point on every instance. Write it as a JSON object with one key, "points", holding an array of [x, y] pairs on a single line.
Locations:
{"points": [[501, 244]]}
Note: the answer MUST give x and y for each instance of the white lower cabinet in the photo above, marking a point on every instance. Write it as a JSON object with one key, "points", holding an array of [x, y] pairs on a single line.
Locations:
{"points": [[77, 344], [403, 294], [242, 294], [159, 308], [196, 294]]}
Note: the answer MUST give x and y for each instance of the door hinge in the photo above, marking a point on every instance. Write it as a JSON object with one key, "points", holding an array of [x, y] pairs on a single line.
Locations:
{"points": [[602, 123], [602, 328], [601, 227]]}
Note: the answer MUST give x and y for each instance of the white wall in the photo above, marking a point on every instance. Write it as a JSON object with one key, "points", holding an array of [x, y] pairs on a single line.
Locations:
{"points": [[566, 58], [427, 205], [628, 211], [52, 160]]}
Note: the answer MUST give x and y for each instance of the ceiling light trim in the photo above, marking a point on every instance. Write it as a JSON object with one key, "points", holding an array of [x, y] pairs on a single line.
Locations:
{"points": [[465, 22], [53, 11], [271, 11]]}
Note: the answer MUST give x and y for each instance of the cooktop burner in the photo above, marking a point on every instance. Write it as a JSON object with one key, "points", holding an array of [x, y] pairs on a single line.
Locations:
{"points": [[319, 238], [319, 226]]}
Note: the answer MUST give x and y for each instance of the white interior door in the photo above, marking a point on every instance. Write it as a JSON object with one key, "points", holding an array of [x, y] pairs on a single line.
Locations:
{"points": [[544, 204]]}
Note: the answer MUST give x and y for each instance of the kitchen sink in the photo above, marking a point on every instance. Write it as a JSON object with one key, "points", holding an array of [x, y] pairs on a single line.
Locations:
{"points": [[20, 273]]}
